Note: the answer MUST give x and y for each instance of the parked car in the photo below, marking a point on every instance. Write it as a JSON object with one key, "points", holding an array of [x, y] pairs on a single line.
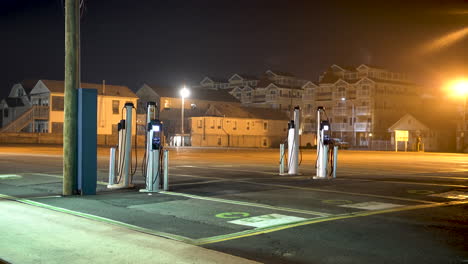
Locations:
{"points": [[341, 144]]}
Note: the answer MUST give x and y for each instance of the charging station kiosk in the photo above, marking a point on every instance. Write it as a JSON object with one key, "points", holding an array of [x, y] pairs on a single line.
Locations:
{"points": [[327, 152], [119, 177], [156, 157]]}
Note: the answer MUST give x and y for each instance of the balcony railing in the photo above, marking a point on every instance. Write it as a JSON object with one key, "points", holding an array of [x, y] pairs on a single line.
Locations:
{"points": [[340, 111], [362, 110], [362, 127]]}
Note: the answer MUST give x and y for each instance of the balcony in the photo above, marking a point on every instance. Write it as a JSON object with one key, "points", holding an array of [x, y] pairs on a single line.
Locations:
{"points": [[340, 127], [340, 111], [362, 94], [40, 112], [362, 127], [362, 110]]}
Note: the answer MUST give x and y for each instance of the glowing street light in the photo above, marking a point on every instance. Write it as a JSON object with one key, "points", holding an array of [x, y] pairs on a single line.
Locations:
{"points": [[184, 92], [460, 89]]}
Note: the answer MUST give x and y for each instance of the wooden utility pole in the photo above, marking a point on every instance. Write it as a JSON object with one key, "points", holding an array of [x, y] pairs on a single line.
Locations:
{"points": [[72, 83]]}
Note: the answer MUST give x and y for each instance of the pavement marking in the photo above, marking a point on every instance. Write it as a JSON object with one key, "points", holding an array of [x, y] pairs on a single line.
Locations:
{"points": [[277, 208], [196, 183], [310, 189], [452, 195], [259, 231], [232, 215], [339, 192], [422, 192], [10, 176], [337, 202], [371, 205], [98, 218], [268, 220]]}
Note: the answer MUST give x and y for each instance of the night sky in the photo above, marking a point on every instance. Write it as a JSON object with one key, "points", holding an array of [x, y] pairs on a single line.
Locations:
{"points": [[172, 42]]}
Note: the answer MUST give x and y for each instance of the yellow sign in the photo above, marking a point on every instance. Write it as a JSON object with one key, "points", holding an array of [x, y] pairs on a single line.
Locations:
{"points": [[401, 135]]}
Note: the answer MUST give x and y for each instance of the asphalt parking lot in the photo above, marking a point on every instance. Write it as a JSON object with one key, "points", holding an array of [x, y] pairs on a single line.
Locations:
{"points": [[382, 207]]}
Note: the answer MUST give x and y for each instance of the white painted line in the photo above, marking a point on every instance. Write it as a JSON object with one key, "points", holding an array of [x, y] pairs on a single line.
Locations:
{"points": [[371, 205], [452, 195], [10, 176], [267, 220]]}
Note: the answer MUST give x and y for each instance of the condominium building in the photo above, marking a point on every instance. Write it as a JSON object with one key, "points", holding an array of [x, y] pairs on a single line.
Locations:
{"points": [[361, 102]]}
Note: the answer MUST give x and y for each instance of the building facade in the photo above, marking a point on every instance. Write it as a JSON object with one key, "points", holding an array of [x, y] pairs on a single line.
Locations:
{"points": [[235, 126], [361, 102], [47, 105]]}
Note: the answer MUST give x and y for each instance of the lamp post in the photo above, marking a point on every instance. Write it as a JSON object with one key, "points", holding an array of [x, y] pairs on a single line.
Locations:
{"points": [[459, 88], [184, 92]]}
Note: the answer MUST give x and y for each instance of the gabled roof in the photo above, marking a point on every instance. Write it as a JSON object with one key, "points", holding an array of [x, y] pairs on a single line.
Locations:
{"points": [[433, 121], [280, 73], [214, 80], [198, 93], [110, 90], [329, 77]]}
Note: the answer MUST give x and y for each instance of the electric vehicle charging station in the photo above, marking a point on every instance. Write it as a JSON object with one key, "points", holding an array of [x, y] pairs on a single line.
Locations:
{"points": [[327, 152], [156, 157], [124, 148], [293, 146]]}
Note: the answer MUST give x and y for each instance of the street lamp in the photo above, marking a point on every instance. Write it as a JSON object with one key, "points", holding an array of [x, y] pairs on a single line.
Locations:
{"points": [[460, 88], [184, 92]]}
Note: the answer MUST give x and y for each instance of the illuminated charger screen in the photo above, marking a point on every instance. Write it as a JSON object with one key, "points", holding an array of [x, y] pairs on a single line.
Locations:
{"points": [[156, 128]]}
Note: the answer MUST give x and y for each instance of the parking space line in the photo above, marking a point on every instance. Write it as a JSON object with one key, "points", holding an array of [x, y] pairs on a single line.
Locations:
{"points": [[265, 206], [98, 218], [312, 189], [259, 231]]}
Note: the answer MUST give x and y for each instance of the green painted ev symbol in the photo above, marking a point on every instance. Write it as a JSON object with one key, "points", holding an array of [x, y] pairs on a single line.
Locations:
{"points": [[232, 215]]}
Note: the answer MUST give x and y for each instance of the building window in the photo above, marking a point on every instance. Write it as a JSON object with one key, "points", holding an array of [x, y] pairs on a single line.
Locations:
{"points": [[167, 104], [5, 112], [220, 124], [265, 125], [345, 120], [264, 142], [213, 123], [57, 103], [248, 125], [234, 127], [219, 141], [199, 124], [369, 120], [115, 106]]}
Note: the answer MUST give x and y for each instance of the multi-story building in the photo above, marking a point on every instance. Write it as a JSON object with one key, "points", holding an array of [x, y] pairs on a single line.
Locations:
{"points": [[361, 102]]}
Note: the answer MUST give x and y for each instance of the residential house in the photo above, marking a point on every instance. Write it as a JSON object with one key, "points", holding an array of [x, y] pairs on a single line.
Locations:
{"points": [[16, 104], [425, 133], [227, 125], [47, 99]]}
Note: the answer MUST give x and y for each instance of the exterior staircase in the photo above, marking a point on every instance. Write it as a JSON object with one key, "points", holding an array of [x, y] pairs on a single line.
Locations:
{"points": [[35, 112]]}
